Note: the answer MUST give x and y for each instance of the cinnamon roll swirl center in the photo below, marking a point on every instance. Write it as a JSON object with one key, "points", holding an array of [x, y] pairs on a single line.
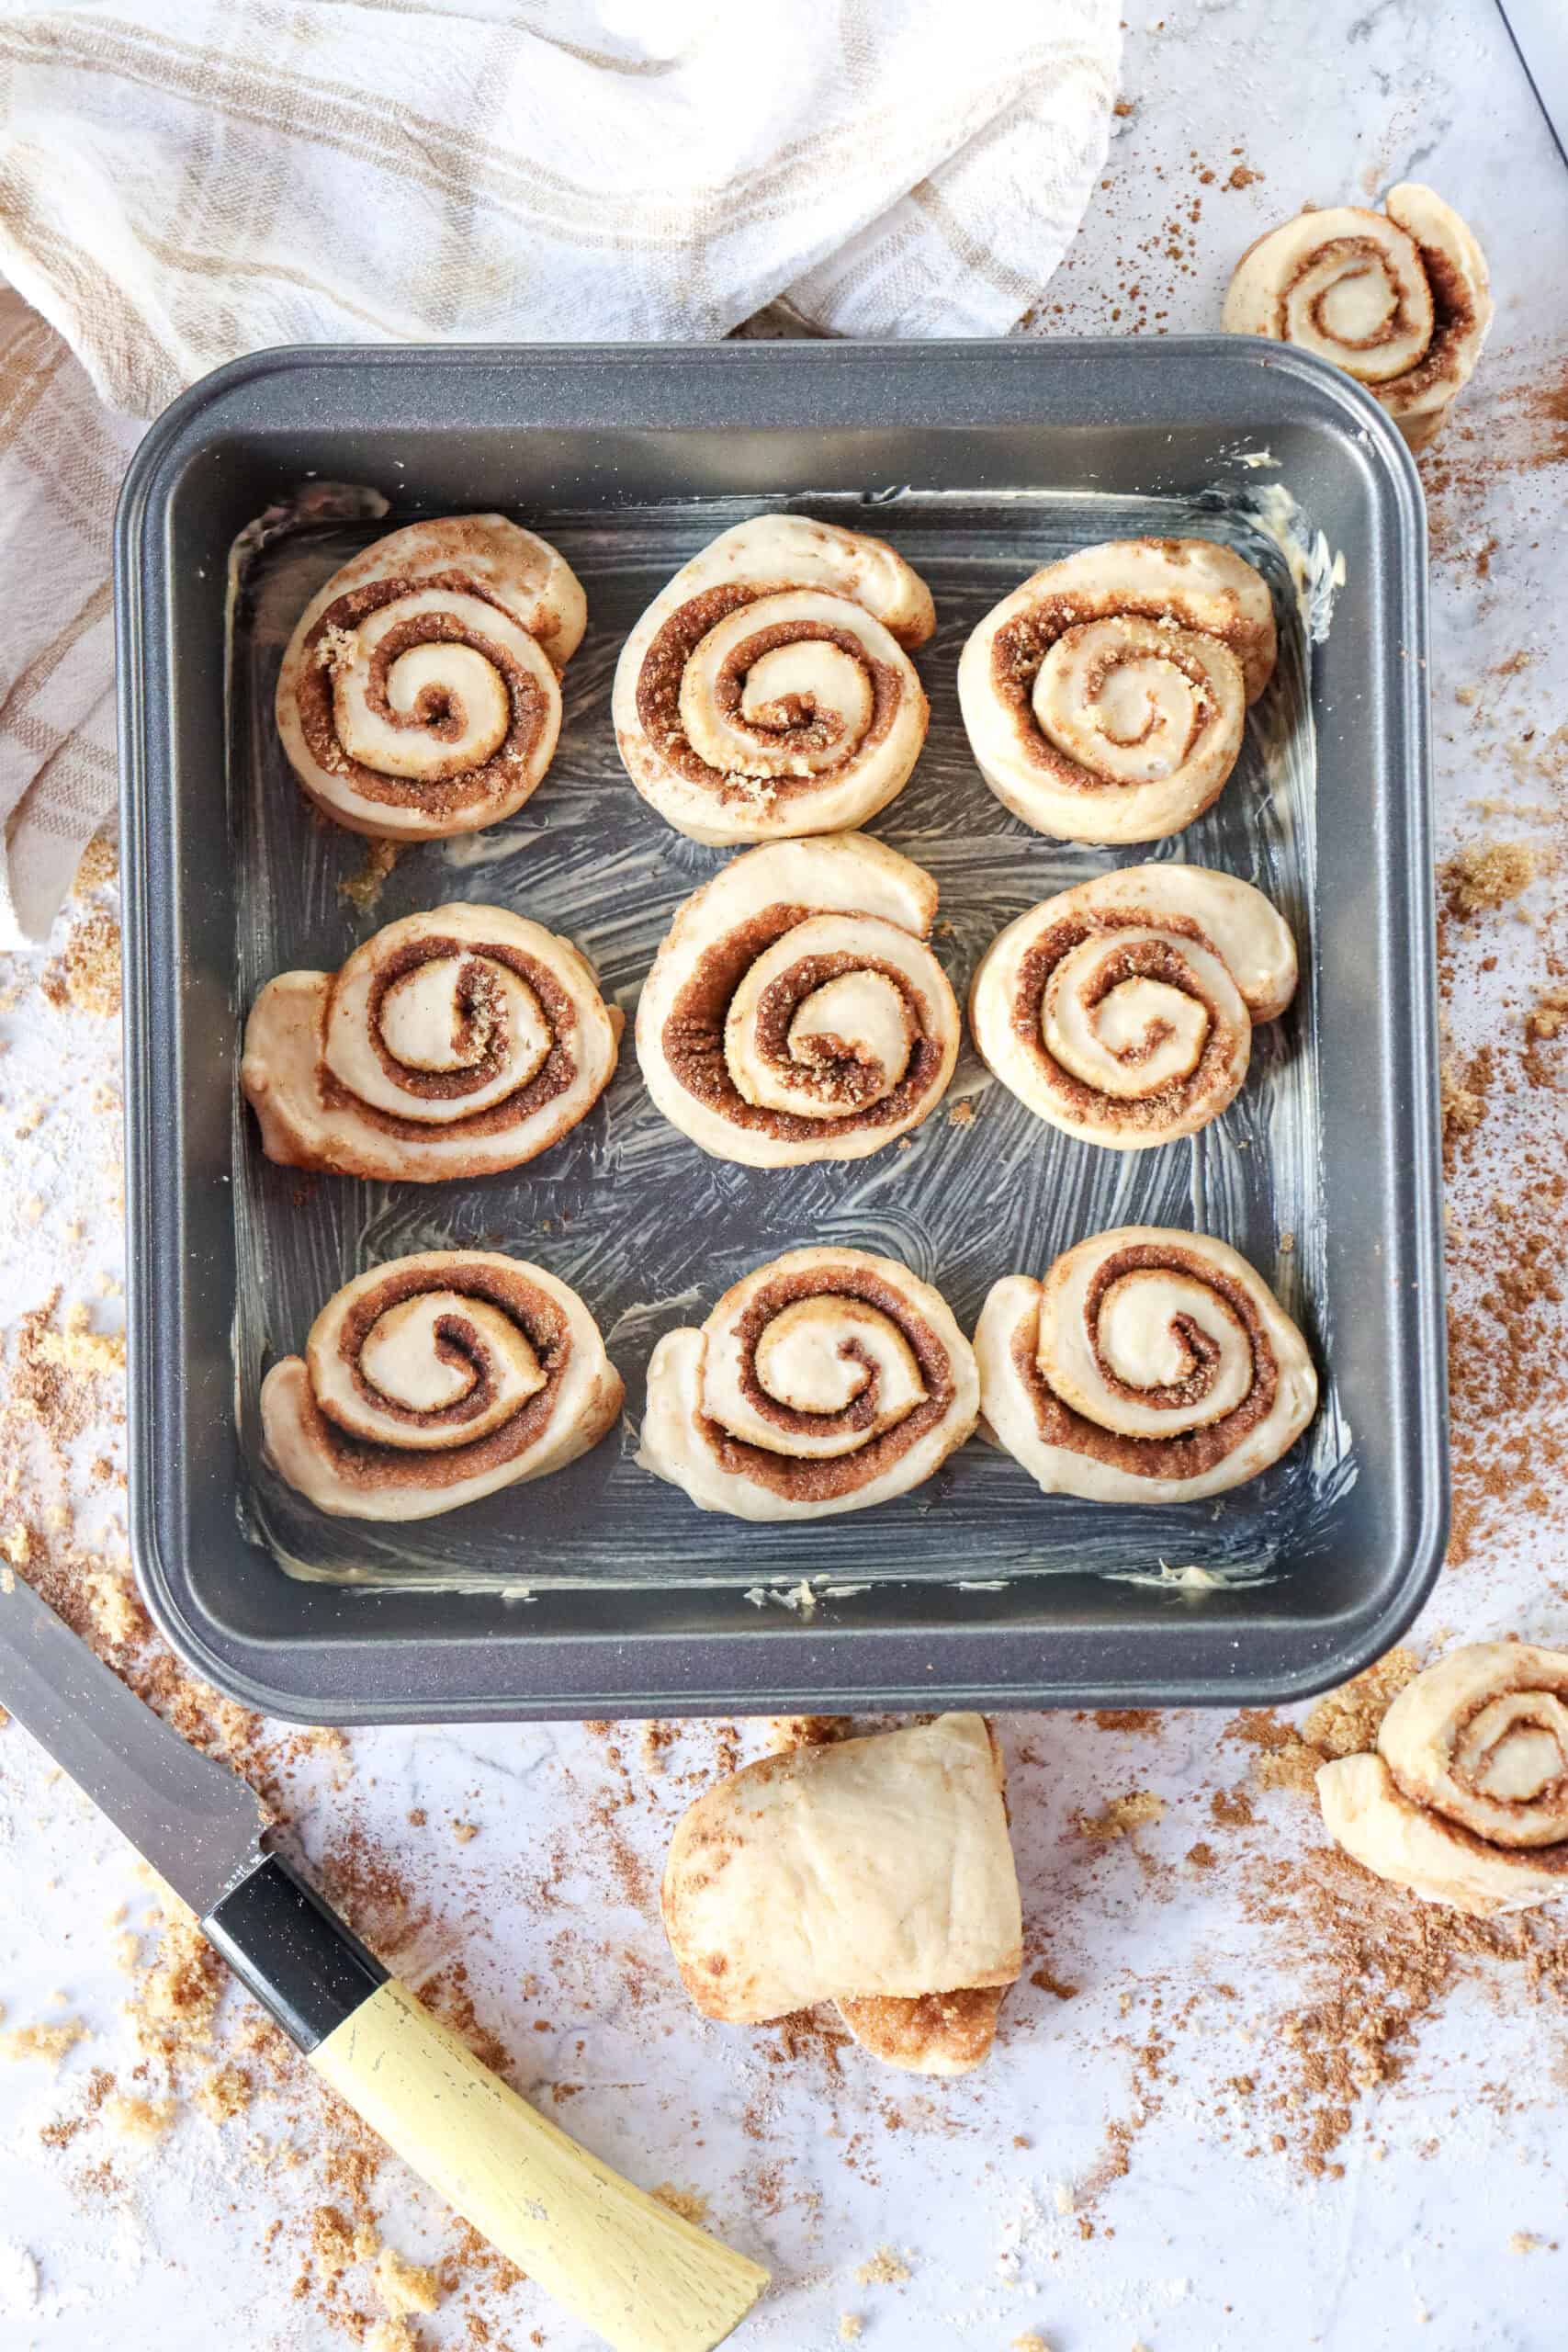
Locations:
{"points": [[1126, 1020], [440, 1032], [411, 1368], [410, 691], [1158, 1337], [815, 1391], [794, 1018], [765, 685]]}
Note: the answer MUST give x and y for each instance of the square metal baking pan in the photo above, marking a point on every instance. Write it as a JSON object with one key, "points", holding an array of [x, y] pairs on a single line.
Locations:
{"points": [[600, 1590]]}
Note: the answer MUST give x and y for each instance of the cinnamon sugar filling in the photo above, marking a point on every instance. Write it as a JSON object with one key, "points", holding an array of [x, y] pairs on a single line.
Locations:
{"points": [[1144, 959], [692, 1035], [825, 1481], [363, 1462], [665, 666], [556, 1075], [1191, 1454], [445, 791]]}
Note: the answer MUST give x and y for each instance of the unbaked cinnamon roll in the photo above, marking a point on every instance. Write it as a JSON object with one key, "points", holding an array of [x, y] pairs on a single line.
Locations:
{"points": [[452, 1044], [767, 692], [419, 693], [1400, 298], [435, 1379], [826, 1381], [876, 1874], [1465, 1801], [795, 1011], [1149, 1366], [1121, 1011], [1106, 699]]}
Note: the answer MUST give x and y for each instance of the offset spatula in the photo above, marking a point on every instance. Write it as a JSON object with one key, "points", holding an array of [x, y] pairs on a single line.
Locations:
{"points": [[647, 2280]]}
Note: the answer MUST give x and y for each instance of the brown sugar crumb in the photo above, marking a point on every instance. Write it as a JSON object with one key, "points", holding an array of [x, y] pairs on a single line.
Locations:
{"points": [[1549, 1014], [1200, 1856], [143, 2119], [961, 1115], [1463, 1101], [99, 863], [336, 650], [362, 888], [786, 1731], [851, 2327], [404, 2286], [75, 1348], [1029, 2343], [1057, 1986], [689, 2204], [1346, 1722], [332, 2239], [1135, 1719], [1487, 875], [392, 2336], [50, 2042], [884, 2268], [1242, 175], [223, 2093], [1120, 1816], [85, 975], [465, 1832]]}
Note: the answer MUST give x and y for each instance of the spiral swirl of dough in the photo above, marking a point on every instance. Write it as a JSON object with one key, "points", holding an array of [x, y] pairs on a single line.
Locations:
{"points": [[767, 692], [795, 1011], [826, 1381], [1149, 1366], [419, 693], [1121, 1011], [1465, 1800], [1401, 300], [433, 1380], [1106, 698], [452, 1044]]}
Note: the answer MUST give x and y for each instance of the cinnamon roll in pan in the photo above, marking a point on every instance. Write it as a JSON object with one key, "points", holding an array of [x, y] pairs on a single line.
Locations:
{"points": [[1106, 698], [435, 1379], [1149, 1366], [1121, 1011], [826, 1381], [451, 1045], [767, 692], [795, 1011], [419, 693]]}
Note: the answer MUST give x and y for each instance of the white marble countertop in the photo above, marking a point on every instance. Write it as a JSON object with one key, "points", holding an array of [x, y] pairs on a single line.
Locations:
{"points": [[1184, 2055]]}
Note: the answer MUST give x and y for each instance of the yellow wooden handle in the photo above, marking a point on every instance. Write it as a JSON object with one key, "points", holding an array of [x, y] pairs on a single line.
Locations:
{"points": [[621, 2262]]}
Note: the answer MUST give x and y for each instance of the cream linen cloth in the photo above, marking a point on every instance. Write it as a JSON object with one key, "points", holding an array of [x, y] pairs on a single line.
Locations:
{"points": [[182, 182]]}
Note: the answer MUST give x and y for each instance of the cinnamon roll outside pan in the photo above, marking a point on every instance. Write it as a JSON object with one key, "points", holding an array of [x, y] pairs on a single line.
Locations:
{"points": [[1121, 1011], [767, 692], [1401, 300], [419, 695], [450, 1045], [1465, 1799], [826, 1381], [1150, 1365], [434, 1380], [795, 1011], [875, 1873], [1105, 699]]}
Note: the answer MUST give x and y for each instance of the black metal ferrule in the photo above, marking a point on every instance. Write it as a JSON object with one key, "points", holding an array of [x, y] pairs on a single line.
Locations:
{"points": [[293, 1953]]}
